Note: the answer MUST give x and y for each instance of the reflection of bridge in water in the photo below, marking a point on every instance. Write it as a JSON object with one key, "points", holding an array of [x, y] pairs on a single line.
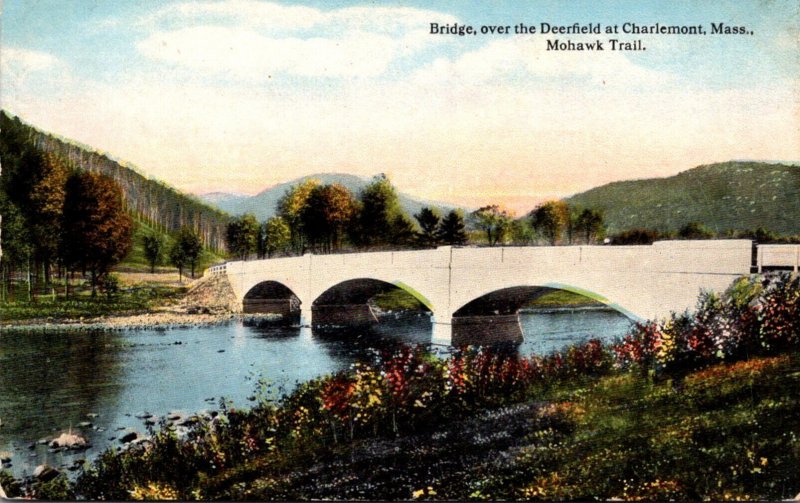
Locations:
{"points": [[474, 294]]}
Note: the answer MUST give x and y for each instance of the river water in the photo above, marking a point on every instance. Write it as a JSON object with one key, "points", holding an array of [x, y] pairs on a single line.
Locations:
{"points": [[52, 383]]}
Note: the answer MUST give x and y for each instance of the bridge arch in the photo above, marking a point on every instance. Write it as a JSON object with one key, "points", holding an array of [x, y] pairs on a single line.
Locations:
{"points": [[509, 300], [494, 316], [272, 297], [348, 302], [360, 290]]}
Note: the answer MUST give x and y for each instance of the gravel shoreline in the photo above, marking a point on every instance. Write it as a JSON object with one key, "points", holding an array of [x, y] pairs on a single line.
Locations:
{"points": [[159, 320]]}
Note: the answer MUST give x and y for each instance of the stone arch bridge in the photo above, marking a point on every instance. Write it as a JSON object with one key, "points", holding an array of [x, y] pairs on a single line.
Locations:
{"points": [[474, 293]]}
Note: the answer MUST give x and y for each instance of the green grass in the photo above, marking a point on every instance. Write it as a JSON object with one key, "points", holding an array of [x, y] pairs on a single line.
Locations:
{"points": [[82, 305], [730, 432], [561, 298], [398, 300]]}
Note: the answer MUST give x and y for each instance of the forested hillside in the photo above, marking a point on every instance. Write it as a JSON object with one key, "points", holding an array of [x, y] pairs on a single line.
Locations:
{"points": [[155, 202], [734, 195]]}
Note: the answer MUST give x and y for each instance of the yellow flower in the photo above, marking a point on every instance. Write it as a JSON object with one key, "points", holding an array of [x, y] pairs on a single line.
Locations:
{"points": [[153, 492]]}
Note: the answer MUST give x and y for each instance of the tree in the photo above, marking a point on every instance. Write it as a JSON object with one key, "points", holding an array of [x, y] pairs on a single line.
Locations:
{"points": [[40, 192], [276, 236], [17, 246], [191, 246], [325, 217], [452, 230], [494, 221], [381, 220], [241, 236], [590, 225], [96, 231], [695, 230], [290, 207], [636, 236], [521, 232], [550, 219], [429, 220], [154, 246], [177, 257], [402, 230]]}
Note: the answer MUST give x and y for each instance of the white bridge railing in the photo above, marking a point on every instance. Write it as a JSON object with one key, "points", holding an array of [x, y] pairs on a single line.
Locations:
{"points": [[217, 270], [779, 256]]}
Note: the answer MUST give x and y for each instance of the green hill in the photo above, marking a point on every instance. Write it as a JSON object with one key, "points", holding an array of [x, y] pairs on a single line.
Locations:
{"points": [[735, 195], [163, 207]]}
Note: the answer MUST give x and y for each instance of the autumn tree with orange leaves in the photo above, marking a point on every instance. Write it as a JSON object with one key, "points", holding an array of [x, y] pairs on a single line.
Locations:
{"points": [[96, 230]]}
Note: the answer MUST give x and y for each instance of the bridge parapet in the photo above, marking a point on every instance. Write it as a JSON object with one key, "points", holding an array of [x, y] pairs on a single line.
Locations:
{"points": [[779, 256], [641, 281]]}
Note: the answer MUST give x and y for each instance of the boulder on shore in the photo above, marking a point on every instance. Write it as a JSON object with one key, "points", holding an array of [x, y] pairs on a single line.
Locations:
{"points": [[129, 437], [45, 473], [69, 441]]}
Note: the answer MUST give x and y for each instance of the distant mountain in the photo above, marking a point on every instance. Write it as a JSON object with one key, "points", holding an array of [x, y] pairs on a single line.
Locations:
{"points": [[225, 201], [263, 204], [731, 195]]}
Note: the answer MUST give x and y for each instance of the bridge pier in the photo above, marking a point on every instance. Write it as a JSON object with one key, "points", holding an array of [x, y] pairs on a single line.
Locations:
{"points": [[477, 330], [342, 315], [485, 330], [442, 333]]}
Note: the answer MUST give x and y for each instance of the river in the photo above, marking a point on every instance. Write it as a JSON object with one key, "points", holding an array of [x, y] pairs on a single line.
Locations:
{"points": [[97, 384]]}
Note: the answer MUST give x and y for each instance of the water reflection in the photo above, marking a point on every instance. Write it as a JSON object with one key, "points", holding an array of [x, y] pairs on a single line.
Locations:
{"points": [[50, 382]]}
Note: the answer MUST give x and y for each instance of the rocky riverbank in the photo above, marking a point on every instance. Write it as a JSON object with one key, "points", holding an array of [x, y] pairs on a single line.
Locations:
{"points": [[208, 301], [152, 320]]}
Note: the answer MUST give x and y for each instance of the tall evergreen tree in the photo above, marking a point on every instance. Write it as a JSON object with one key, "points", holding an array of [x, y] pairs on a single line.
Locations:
{"points": [[452, 230], [429, 220]]}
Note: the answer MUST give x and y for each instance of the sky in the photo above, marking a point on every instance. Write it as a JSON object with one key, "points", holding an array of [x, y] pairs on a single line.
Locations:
{"points": [[239, 95]]}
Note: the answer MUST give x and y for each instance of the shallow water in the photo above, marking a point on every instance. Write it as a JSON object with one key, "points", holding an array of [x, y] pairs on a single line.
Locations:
{"points": [[50, 383]]}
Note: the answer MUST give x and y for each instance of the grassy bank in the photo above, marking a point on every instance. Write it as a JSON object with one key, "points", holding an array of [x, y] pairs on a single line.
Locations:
{"points": [[561, 298], [130, 299], [729, 431]]}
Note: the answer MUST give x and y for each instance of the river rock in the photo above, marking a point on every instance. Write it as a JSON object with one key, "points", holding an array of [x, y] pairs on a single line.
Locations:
{"points": [[188, 421], [129, 437], [45, 473], [69, 441], [144, 415], [5, 457], [92, 415], [85, 424]]}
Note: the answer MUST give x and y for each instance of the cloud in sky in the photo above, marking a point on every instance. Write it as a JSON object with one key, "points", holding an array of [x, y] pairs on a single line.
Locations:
{"points": [[20, 65], [254, 39], [289, 90]]}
